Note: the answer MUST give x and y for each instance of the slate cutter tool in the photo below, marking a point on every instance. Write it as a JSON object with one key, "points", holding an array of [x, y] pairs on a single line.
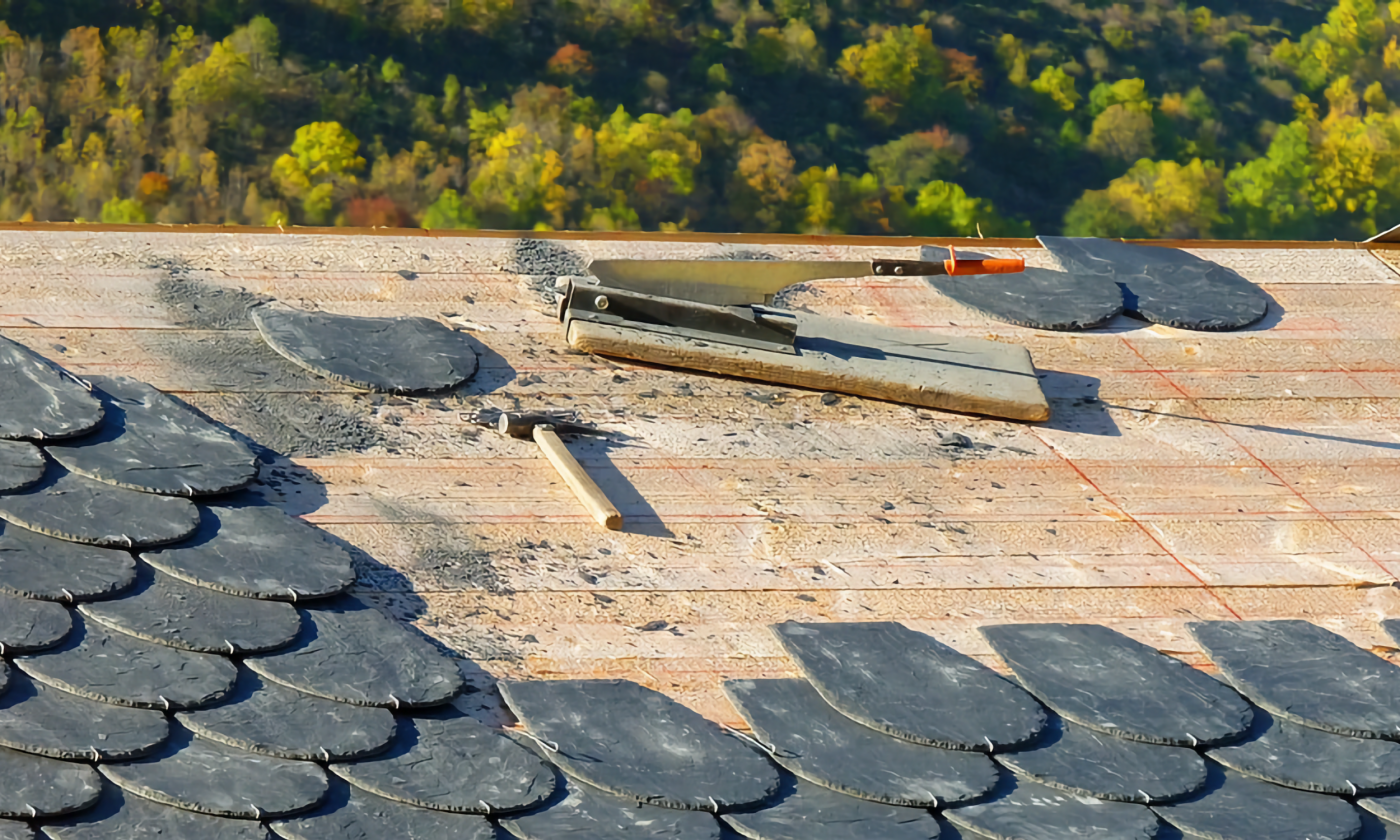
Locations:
{"points": [[544, 430]]}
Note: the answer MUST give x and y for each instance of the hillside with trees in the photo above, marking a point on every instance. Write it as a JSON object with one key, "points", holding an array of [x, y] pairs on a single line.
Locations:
{"points": [[1244, 119]]}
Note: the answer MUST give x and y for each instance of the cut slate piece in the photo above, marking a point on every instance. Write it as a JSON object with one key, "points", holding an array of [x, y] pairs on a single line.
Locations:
{"points": [[116, 668], [352, 814], [264, 717], [1236, 807], [812, 812], [124, 816], [16, 830], [222, 781], [351, 652], [587, 813], [33, 786], [168, 611], [1036, 297], [38, 400], [38, 719], [258, 551], [1166, 285], [400, 355], [817, 743], [36, 566], [27, 625], [72, 507], [632, 741], [1305, 674], [21, 464], [1104, 680], [447, 761], [152, 443], [1385, 805], [1301, 757], [1022, 809], [911, 686], [1080, 760]]}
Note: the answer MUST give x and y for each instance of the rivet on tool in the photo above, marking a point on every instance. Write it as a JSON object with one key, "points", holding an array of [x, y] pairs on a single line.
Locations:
{"points": [[600, 302]]}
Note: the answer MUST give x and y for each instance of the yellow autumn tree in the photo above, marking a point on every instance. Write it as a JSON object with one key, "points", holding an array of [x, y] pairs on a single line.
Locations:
{"points": [[324, 156]]}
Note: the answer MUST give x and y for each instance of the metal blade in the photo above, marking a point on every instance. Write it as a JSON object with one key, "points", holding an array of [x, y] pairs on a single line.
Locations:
{"points": [[719, 282]]}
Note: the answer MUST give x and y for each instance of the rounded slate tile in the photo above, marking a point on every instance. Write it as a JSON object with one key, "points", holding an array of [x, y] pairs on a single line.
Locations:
{"points": [[264, 717], [223, 781], [1305, 674], [1236, 807], [1104, 680], [1310, 759], [121, 669], [402, 355], [21, 464], [168, 611], [123, 816], [1082, 761], [1036, 297], [38, 719], [72, 507], [911, 686], [1166, 285], [258, 552], [823, 746], [28, 625], [812, 812], [1022, 808], [352, 814], [152, 443], [586, 813], [33, 786], [351, 652], [36, 566], [40, 401], [447, 761], [632, 741]]}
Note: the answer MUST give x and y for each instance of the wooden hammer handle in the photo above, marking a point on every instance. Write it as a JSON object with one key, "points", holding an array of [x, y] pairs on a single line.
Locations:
{"points": [[572, 472]]}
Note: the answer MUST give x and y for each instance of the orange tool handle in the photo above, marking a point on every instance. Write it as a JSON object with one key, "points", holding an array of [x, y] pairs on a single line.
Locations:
{"points": [[966, 267]]}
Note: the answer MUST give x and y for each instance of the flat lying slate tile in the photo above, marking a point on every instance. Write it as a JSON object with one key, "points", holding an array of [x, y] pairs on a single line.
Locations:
{"points": [[1301, 757], [21, 464], [1236, 807], [811, 812], [36, 566], [1104, 680], [38, 401], [28, 625], [1083, 761], [632, 741], [352, 814], [258, 552], [168, 611], [1022, 808], [1305, 674], [1166, 285], [38, 719], [402, 355], [909, 685], [16, 830], [1037, 297], [223, 781], [123, 816], [33, 786], [1385, 805], [447, 761], [72, 507], [587, 813], [152, 443], [351, 652], [264, 717], [821, 745], [121, 669]]}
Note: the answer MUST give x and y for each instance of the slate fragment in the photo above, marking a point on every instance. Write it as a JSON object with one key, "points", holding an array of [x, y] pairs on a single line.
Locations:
{"points": [[1036, 297], [1305, 674], [1287, 754], [400, 355], [168, 611], [352, 814], [587, 813], [35, 566], [1104, 680], [71, 507], [1236, 807], [812, 812], [124, 816], [1385, 805], [817, 743], [21, 464], [632, 741], [1022, 808], [351, 652], [36, 718], [448, 761], [264, 717], [33, 786], [39, 401], [257, 551], [28, 625], [911, 686]]}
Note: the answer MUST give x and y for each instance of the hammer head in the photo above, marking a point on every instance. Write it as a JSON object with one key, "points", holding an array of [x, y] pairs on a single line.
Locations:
{"points": [[522, 426]]}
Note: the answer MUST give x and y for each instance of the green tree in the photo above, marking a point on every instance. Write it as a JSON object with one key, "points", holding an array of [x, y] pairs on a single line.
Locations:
{"points": [[324, 156], [450, 212], [124, 211], [1155, 199]]}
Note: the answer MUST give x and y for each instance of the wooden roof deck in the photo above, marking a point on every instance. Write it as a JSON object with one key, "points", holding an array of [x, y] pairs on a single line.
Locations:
{"points": [[1183, 476]]}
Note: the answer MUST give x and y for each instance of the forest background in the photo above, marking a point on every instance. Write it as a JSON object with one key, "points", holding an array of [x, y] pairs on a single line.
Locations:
{"points": [[1244, 118]]}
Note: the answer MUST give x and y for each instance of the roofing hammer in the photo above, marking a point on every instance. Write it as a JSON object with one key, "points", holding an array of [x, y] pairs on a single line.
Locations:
{"points": [[544, 430]]}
